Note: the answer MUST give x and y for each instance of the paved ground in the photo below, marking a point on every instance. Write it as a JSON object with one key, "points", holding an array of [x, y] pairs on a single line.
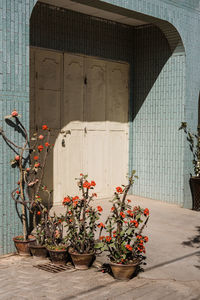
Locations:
{"points": [[172, 270]]}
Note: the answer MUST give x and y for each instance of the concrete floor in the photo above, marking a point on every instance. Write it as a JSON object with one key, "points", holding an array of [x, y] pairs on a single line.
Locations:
{"points": [[172, 270]]}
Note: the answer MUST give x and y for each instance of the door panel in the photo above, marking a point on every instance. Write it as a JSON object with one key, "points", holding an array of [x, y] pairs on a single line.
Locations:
{"points": [[49, 69], [69, 164], [73, 91], [95, 96], [96, 160], [117, 94], [118, 163]]}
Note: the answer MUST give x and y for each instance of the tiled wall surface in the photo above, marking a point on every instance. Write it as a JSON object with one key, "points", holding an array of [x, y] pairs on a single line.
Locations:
{"points": [[172, 98]]}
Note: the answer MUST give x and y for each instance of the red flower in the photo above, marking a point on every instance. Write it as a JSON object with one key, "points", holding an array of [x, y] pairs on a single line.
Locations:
{"points": [[101, 238], [69, 212], [119, 190], [81, 174], [66, 200], [75, 198], [17, 192], [112, 208], [146, 212], [94, 195], [129, 247], [75, 203], [128, 200], [14, 113], [17, 157], [27, 169], [146, 239], [101, 225], [35, 157], [86, 184], [37, 165], [40, 137], [108, 238], [93, 183], [141, 248], [99, 208], [130, 213], [39, 213], [122, 214], [134, 222], [47, 144], [44, 127], [40, 148], [139, 237], [18, 182]]}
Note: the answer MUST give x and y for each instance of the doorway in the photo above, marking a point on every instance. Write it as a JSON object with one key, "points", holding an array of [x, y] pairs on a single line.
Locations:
{"points": [[84, 100]]}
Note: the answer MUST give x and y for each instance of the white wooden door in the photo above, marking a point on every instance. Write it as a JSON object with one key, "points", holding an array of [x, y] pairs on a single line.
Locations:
{"points": [[46, 89], [117, 116], [85, 102], [72, 123]]}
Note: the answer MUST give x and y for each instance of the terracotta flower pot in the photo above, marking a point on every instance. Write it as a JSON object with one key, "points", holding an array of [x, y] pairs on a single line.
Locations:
{"points": [[58, 257], [38, 250], [82, 261], [23, 246], [195, 191], [123, 272]]}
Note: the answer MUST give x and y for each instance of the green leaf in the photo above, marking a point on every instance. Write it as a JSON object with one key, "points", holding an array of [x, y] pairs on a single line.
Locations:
{"points": [[98, 245]]}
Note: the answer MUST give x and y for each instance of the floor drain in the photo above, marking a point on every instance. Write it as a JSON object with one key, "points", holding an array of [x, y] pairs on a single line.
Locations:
{"points": [[49, 267]]}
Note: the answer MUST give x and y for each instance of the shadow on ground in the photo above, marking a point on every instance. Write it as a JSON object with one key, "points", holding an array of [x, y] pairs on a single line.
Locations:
{"points": [[194, 242]]}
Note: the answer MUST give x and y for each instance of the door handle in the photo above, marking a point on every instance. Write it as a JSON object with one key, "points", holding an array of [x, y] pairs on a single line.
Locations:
{"points": [[65, 132], [85, 130]]}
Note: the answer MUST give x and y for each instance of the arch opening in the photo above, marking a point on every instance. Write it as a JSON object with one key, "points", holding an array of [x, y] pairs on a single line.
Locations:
{"points": [[149, 47]]}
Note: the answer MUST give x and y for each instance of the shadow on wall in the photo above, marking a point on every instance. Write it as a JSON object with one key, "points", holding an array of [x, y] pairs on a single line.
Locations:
{"points": [[151, 52]]}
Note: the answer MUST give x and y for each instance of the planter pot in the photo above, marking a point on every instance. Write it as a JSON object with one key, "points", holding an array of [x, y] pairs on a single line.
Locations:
{"points": [[38, 250], [58, 257], [23, 246], [82, 261], [195, 191], [123, 272]]}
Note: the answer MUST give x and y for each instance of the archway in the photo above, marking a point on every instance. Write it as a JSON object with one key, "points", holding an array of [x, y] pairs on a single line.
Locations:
{"points": [[115, 38]]}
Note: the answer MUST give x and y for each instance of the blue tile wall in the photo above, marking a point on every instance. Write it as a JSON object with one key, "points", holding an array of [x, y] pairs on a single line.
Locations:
{"points": [[157, 150]]}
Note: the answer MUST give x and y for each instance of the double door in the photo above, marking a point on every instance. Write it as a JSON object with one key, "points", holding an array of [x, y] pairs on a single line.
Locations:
{"points": [[84, 100]]}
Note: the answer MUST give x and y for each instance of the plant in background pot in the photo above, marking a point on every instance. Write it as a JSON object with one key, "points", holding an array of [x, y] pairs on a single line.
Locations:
{"points": [[42, 229], [123, 239], [55, 243], [194, 144], [30, 165], [81, 218]]}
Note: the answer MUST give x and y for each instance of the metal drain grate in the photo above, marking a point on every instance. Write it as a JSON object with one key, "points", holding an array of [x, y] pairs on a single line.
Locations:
{"points": [[49, 267]]}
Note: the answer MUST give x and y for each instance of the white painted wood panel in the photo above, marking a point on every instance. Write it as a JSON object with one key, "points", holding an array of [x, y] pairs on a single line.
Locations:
{"points": [[85, 102]]}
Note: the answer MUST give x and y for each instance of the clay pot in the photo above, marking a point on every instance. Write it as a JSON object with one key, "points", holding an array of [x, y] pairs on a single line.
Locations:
{"points": [[58, 257], [82, 261], [38, 250], [123, 272], [23, 246], [195, 191]]}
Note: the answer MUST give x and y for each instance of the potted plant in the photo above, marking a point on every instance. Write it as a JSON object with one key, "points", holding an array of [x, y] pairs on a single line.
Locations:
{"points": [[55, 243], [194, 144], [123, 239], [30, 164], [81, 218], [41, 231]]}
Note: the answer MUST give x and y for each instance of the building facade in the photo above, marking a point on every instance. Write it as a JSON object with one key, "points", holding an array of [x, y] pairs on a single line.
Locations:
{"points": [[139, 61]]}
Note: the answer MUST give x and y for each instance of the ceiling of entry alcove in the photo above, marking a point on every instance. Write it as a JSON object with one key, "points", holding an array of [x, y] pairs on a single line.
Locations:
{"points": [[96, 12]]}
